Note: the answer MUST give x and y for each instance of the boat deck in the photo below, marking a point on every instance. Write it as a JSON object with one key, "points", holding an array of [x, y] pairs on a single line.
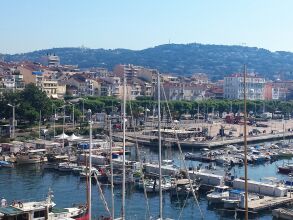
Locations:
{"points": [[283, 213], [269, 202]]}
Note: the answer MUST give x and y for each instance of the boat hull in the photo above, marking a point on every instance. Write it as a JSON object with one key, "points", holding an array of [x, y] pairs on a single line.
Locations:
{"points": [[30, 161], [230, 204]]}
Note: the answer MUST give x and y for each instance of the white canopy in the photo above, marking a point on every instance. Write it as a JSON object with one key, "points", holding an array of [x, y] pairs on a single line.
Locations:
{"points": [[62, 136], [73, 137]]}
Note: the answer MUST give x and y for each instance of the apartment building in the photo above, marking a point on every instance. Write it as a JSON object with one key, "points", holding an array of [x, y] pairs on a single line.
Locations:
{"points": [[184, 91], [82, 86], [234, 87], [111, 86]]}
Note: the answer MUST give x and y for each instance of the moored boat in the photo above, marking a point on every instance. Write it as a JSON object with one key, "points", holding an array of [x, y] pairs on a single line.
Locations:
{"points": [[31, 157], [219, 193], [181, 187], [285, 169], [5, 164], [38, 210]]}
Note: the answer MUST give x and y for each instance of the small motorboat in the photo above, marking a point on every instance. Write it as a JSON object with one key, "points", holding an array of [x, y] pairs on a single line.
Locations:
{"points": [[219, 193], [285, 169], [5, 164]]}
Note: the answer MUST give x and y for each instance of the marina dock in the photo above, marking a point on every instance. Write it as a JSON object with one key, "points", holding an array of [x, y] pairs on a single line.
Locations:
{"points": [[153, 141], [269, 202], [283, 213]]}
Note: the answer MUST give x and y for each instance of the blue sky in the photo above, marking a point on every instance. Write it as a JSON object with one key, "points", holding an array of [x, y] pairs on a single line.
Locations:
{"points": [[27, 25]]}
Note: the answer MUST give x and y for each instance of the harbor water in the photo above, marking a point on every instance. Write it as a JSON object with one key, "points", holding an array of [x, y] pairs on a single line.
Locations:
{"points": [[31, 182]]}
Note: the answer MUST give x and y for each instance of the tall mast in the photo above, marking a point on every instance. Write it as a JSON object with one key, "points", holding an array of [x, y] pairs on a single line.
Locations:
{"points": [[160, 148], [63, 134], [123, 164], [90, 166], [245, 145], [111, 169]]}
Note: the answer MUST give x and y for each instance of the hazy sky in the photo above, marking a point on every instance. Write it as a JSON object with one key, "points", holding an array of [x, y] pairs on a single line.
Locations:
{"points": [[27, 25]]}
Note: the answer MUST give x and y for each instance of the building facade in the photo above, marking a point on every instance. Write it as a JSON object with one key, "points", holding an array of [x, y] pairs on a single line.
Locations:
{"points": [[234, 87]]}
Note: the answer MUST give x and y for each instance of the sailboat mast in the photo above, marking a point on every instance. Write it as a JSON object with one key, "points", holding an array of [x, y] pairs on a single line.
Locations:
{"points": [[160, 147], [111, 168], [123, 164], [245, 145], [87, 179], [90, 167]]}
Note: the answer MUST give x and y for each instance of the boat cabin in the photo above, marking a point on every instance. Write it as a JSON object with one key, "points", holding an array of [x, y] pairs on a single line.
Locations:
{"points": [[221, 189], [26, 211]]}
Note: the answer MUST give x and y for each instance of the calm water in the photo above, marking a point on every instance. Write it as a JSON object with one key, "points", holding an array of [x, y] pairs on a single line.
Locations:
{"points": [[32, 183]]}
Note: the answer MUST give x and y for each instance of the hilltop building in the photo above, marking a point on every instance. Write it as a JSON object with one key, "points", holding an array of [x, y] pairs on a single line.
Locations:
{"points": [[53, 60]]}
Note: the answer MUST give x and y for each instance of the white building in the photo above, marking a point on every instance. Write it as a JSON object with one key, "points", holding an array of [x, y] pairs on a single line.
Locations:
{"points": [[234, 87], [53, 60]]}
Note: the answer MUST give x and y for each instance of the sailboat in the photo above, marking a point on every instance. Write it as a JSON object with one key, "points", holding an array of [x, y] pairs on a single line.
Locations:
{"points": [[245, 145]]}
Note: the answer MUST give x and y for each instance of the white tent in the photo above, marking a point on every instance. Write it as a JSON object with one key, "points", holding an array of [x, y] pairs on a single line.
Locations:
{"points": [[73, 137], [62, 136]]}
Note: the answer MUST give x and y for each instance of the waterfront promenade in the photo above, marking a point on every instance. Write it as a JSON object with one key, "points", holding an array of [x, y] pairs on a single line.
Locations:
{"points": [[276, 130]]}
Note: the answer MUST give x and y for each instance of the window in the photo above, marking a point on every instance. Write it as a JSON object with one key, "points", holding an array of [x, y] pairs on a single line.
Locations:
{"points": [[39, 214]]}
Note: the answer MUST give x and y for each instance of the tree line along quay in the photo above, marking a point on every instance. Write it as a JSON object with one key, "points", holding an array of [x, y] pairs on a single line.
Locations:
{"points": [[31, 104]]}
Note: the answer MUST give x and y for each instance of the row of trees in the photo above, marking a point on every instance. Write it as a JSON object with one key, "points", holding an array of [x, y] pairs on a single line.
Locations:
{"points": [[110, 104], [31, 101], [178, 108]]}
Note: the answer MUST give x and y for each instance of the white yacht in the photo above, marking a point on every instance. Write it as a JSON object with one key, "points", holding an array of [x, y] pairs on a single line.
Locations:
{"points": [[219, 193]]}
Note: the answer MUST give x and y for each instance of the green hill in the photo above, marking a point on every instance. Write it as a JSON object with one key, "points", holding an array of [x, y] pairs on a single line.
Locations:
{"points": [[181, 59]]}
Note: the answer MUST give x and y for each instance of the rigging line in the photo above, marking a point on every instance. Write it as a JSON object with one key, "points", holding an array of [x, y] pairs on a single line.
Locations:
{"points": [[111, 169], [138, 158], [185, 201], [102, 197], [181, 155]]}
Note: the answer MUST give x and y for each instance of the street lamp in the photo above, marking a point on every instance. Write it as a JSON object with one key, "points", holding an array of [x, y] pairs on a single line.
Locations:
{"points": [[53, 117], [290, 175], [13, 119], [146, 114], [73, 122], [63, 134]]}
